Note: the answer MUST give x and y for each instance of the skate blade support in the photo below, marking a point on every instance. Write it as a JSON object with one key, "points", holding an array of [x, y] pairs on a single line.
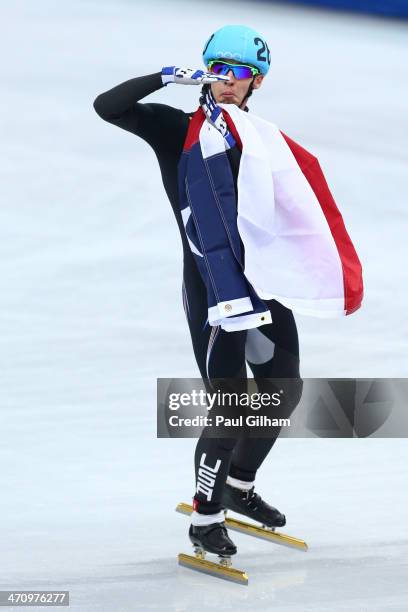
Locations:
{"points": [[258, 532], [219, 570]]}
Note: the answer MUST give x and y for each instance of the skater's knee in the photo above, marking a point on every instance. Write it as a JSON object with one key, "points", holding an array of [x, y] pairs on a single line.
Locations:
{"points": [[289, 390], [295, 389], [292, 391], [227, 444]]}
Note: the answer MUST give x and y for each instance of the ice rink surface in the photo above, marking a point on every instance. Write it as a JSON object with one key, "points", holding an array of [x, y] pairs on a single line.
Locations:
{"points": [[91, 313]]}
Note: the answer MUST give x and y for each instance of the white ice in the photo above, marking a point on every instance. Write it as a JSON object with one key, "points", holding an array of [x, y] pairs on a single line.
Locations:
{"points": [[91, 312]]}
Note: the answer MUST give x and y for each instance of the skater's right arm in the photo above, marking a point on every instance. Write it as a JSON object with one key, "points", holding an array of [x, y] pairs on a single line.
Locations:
{"points": [[155, 123], [158, 124]]}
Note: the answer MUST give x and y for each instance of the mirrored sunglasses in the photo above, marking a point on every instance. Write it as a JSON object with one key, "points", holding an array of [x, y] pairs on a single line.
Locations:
{"points": [[240, 71]]}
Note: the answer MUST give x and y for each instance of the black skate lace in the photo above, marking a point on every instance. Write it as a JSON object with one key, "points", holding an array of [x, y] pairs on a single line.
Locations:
{"points": [[219, 526], [253, 498], [224, 530]]}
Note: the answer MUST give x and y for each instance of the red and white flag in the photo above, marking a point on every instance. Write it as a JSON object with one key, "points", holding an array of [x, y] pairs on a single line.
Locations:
{"points": [[297, 249]]}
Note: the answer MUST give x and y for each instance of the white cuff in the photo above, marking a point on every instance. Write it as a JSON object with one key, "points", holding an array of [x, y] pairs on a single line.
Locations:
{"points": [[199, 520], [243, 485], [246, 321], [229, 309]]}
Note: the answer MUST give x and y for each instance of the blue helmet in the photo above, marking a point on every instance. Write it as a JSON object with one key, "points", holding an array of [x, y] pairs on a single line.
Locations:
{"points": [[240, 43]]}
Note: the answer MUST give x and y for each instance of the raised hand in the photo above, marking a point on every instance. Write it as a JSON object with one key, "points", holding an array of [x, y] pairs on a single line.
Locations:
{"points": [[189, 76]]}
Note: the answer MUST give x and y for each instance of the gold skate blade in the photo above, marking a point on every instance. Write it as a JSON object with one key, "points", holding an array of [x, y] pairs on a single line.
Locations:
{"points": [[253, 530], [214, 569], [264, 534]]}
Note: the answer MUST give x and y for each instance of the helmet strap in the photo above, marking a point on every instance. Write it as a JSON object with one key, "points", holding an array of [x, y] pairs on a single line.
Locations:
{"points": [[248, 93]]}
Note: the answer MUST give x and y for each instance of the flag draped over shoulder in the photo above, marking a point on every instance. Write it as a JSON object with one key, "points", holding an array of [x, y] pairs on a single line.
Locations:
{"points": [[297, 249], [350, 263]]}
